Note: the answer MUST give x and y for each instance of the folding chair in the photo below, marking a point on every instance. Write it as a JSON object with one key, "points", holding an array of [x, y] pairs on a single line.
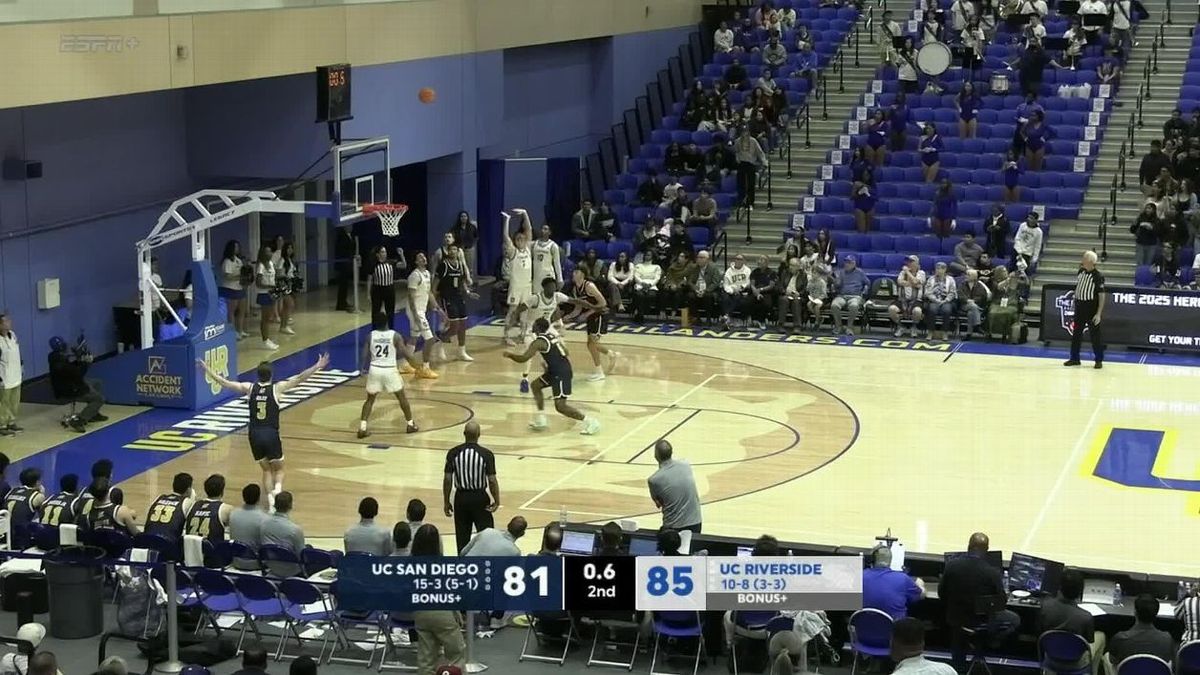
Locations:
{"points": [[388, 627], [749, 626], [677, 626], [303, 605], [344, 618], [606, 621], [217, 596], [1187, 659], [279, 562], [1063, 653], [257, 599], [1143, 664], [538, 622], [870, 635]]}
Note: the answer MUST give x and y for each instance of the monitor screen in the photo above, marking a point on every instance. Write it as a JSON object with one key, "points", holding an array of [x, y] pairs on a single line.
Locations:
{"points": [[578, 543], [643, 546], [745, 551], [1036, 575]]}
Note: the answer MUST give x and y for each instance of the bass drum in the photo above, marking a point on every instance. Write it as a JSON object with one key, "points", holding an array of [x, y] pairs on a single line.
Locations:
{"points": [[933, 58]]}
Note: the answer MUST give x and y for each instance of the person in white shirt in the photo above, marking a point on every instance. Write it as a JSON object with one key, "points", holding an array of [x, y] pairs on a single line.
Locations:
{"points": [[419, 304], [620, 277], [961, 13], [381, 354], [1122, 13], [231, 288], [546, 304], [910, 291], [264, 275], [1035, 30], [646, 275], [10, 377], [941, 295], [286, 277], [1092, 7], [787, 18], [1028, 241], [736, 287], [908, 650], [547, 258], [723, 39], [520, 278], [670, 191]]}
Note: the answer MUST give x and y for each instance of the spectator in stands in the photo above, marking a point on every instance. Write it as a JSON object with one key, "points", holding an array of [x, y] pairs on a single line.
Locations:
{"points": [[961, 13], [791, 248], [910, 292], [681, 206], [1007, 294], [1064, 613], [762, 292], [673, 161], [906, 66], [816, 271], [750, 159], [746, 37], [592, 266], [720, 159], [609, 224], [620, 277], [280, 530], [401, 538], [704, 212], [552, 538], [1023, 114], [735, 289], [1145, 229], [679, 241], [1175, 127], [760, 127], [889, 590], [1152, 165], [974, 38], [825, 250], [1030, 66], [1012, 176], [365, 536], [1108, 72], [723, 39], [863, 195], [966, 579], [941, 295], [944, 211], [1144, 637], [1076, 39], [490, 542], [649, 240], [646, 276], [671, 190], [650, 192], [1166, 265], [966, 254], [774, 54], [888, 31], [1034, 31], [850, 286], [930, 147], [1184, 206], [703, 284], [899, 116], [1092, 29], [673, 289], [735, 74], [611, 540], [1027, 244], [908, 649], [440, 639], [997, 228], [877, 133], [986, 268], [1035, 132], [791, 287], [245, 524], [804, 38], [806, 64], [974, 298]]}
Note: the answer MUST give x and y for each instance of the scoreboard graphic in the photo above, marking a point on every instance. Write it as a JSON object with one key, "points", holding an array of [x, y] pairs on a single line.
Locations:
{"points": [[547, 583]]}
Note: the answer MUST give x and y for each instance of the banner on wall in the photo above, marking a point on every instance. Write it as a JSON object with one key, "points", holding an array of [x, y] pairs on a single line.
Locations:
{"points": [[167, 375], [1134, 317]]}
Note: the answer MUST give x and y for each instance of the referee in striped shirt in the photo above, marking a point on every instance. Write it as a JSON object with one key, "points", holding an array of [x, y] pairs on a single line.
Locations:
{"points": [[383, 283], [1089, 304], [471, 471]]}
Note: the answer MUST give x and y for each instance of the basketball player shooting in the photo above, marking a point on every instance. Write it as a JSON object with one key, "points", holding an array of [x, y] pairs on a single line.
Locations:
{"points": [[591, 306], [557, 378], [382, 374], [544, 305], [420, 304], [265, 445], [520, 273]]}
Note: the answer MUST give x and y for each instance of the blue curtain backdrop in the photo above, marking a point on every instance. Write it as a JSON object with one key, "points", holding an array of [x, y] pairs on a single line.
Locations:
{"points": [[562, 194], [490, 203]]}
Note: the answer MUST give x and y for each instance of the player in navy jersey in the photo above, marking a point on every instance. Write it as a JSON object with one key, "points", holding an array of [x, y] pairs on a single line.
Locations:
{"points": [[65, 507], [557, 377], [168, 511], [23, 503], [106, 514], [265, 445], [209, 517]]}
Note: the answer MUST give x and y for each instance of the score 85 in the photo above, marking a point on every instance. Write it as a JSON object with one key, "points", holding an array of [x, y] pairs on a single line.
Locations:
{"points": [[670, 584]]}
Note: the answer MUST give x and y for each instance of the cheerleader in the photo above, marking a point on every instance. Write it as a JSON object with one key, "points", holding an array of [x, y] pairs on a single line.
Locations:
{"points": [[877, 134], [1012, 174], [264, 275], [230, 286], [968, 104], [286, 280], [864, 202]]}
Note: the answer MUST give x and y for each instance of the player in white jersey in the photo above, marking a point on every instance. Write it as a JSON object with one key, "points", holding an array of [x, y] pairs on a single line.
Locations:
{"points": [[420, 303], [520, 275], [545, 305], [380, 361], [547, 258]]}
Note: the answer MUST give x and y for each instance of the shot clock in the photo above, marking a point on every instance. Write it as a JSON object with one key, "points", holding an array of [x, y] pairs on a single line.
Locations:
{"points": [[333, 93]]}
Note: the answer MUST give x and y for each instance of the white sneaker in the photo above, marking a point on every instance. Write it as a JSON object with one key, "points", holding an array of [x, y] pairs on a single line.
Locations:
{"points": [[590, 426], [510, 342], [268, 344], [538, 423], [596, 376], [242, 335], [463, 355], [287, 330], [613, 356]]}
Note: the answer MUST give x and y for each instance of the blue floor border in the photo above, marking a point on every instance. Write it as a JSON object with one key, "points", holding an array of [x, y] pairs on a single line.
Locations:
{"points": [[76, 455]]}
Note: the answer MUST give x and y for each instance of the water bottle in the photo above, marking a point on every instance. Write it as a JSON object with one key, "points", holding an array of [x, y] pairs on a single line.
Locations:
{"points": [[1116, 594], [562, 516], [1006, 582]]}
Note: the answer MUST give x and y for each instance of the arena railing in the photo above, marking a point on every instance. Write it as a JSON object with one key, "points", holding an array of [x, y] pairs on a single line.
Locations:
{"points": [[1102, 235], [720, 248]]}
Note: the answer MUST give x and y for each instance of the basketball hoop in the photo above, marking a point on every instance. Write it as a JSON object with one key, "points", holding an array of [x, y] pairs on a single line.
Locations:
{"points": [[389, 216]]}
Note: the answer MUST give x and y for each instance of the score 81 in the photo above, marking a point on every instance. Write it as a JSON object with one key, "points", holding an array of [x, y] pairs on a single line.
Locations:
{"points": [[514, 581], [670, 584], [526, 584]]}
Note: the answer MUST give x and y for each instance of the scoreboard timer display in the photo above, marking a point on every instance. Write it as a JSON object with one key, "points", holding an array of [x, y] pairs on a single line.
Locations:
{"points": [[548, 583]]}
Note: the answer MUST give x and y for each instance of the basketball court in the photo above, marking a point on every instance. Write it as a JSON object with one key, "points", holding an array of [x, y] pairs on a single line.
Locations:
{"points": [[823, 443]]}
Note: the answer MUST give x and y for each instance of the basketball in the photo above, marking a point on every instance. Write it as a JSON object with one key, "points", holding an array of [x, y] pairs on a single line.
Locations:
{"points": [[427, 95]]}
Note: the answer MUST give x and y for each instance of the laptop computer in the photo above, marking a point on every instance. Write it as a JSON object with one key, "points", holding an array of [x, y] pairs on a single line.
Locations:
{"points": [[578, 543]]}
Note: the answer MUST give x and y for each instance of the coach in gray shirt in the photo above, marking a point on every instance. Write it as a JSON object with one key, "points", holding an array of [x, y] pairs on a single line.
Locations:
{"points": [[493, 542], [279, 530], [673, 489], [245, 525], [365, 536]]}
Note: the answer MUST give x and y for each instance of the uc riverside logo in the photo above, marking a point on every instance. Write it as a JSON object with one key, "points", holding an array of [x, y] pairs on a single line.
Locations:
{"points": [[217, 358]]}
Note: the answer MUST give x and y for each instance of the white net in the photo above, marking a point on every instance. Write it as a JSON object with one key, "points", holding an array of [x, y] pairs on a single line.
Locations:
{"points": [[389, 218]]}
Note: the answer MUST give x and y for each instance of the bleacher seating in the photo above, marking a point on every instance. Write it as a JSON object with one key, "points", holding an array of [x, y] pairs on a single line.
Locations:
{"points": [[900, 226], [828, 28]]}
